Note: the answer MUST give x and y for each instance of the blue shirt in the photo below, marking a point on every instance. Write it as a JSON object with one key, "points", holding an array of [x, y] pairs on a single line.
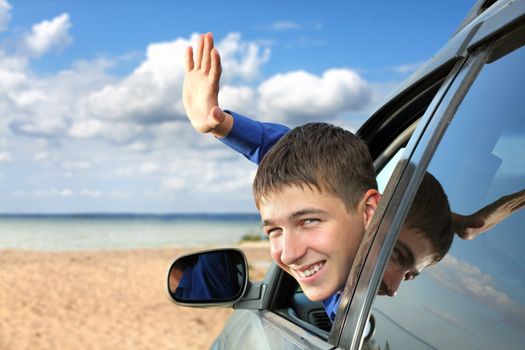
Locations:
{"points": [[253, 139], [210, 277]]}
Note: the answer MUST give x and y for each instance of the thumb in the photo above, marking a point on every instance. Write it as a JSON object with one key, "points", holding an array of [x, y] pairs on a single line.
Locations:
{"points": [[216, 116]]}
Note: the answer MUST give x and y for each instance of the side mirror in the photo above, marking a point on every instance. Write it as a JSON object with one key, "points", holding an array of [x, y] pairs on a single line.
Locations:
{"points": [[210, 278]]}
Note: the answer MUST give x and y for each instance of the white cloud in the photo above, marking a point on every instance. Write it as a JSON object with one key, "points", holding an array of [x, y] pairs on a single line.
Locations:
{"points": [[90, 193], [41, 127], [238, 98], [53, 192], [146, 96], [214, 174], [85, 102], [239, 59], [152, 93], [299, 96], [446, 317], [5, 15], [5, 157], [149, 168], [139, 146], [285, 25], [174, 184], [77, 165], [48, 35], [125, 171], [46, 107], [13, 74], [478, 286], [86, 128], [41, 156], [136, 122]]}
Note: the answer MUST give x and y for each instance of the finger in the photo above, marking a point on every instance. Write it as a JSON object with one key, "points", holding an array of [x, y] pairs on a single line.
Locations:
{"points": [[189, 59], [215, 69], [198, 54], [208, 46], [520, 203], [216, 117]]}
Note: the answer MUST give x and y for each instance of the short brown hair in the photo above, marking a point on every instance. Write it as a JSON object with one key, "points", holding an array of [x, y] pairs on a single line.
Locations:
{"points": [[318, 155], [430, 215]]}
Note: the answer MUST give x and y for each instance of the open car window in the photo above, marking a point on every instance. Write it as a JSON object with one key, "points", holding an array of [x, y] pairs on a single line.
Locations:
{"points": [[297, 307], [473, 295]]}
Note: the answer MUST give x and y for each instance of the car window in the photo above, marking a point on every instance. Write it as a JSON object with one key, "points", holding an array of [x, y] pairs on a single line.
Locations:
{"points": [[384, 174], [475, 296]]}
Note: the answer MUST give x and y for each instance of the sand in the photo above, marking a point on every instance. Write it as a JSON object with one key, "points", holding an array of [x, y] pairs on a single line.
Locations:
{"points": [[102, 300]]}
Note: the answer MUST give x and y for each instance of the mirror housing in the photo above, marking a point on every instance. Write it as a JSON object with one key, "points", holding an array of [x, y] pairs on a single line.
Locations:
{"points": [[216, 277]]}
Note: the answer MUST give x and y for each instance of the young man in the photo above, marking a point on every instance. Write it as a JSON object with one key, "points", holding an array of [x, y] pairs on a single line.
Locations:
{"points": [[316, 193], [414, 250]]}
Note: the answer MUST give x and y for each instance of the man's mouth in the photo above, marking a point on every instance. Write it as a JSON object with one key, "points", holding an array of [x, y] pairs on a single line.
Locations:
{"points": [[311, 270]]}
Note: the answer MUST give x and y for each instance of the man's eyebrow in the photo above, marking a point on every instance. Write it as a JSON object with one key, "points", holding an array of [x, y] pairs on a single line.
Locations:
{"points": [[266, 223], [295, 215], [306, 211], [407, 252]]}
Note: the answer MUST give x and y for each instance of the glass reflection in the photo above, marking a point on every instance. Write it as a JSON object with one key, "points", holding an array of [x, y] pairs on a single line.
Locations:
{"points": [[475, 296], [207, 277]]}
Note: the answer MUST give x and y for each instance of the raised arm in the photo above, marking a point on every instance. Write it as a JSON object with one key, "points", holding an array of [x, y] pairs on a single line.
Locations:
{"points": [[200, 96], [470, 226], [251, 138]]}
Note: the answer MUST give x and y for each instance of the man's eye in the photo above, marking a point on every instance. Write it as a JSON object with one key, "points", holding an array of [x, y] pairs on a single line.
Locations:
{"points": [[310, 221], [271, 232], [410, 277], [396, 254]]}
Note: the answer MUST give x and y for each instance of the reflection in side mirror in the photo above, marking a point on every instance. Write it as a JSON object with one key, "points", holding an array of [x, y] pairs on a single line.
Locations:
{"points": [[211, 277]]}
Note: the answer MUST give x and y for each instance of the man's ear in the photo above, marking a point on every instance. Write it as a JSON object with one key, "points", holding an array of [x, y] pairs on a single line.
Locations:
{"points": [[370, 202]]}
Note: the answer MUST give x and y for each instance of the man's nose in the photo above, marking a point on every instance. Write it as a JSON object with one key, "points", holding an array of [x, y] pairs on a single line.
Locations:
{"points": [[292, 247], [392, 279]]}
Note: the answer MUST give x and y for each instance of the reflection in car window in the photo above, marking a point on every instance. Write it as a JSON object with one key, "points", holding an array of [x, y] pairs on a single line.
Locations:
{"points": [[475, 296]]}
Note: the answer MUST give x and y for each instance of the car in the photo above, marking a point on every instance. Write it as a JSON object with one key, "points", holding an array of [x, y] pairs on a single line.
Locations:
{"points": [[461, 118]]}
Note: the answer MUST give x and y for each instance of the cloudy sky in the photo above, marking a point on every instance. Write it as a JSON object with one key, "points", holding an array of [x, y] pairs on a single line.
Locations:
{"points": [[91, 118]]}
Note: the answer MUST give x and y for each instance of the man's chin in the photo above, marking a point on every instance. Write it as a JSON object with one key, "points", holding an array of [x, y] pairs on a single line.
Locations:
{"points": [[316, 295]]}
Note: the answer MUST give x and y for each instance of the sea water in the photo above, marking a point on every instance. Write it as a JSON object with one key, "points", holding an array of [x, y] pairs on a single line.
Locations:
{"points": [[116, 232]]}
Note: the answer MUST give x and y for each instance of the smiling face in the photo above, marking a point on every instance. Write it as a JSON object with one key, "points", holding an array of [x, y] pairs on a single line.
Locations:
{"points": [[313, 236]]}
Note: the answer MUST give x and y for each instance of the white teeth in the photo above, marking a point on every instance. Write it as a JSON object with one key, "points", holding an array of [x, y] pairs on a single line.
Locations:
{"points": [[311, 271]]}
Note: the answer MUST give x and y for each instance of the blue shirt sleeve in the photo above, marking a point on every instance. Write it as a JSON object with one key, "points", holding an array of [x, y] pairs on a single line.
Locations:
{"points": [[252, 138]]}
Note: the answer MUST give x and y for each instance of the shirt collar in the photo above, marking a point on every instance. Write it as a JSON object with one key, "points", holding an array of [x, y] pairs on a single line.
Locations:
{"points": [[331, 304]]}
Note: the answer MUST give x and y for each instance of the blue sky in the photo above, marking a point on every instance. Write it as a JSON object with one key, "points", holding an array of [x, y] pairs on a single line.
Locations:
{"points": [[90, 91]]}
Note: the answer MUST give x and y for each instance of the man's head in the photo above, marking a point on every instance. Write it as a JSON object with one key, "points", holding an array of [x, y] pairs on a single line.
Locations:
{"points": [[321, 156], [316, 191], [425, 238]]}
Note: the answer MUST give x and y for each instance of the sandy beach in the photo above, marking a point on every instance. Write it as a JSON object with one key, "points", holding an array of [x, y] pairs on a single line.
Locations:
{"points": [[102, 300]]}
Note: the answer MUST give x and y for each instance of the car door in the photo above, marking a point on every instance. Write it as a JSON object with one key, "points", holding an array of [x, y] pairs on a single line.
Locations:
{"points": [[473, 143]]}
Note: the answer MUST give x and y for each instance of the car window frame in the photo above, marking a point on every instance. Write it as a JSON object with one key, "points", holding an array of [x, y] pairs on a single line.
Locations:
{"points": [[399, 195], [355, 302]]}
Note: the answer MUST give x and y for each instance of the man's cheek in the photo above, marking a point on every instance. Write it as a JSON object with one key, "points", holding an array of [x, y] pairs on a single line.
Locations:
{"points": [[275, 253], [275, 248]]}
